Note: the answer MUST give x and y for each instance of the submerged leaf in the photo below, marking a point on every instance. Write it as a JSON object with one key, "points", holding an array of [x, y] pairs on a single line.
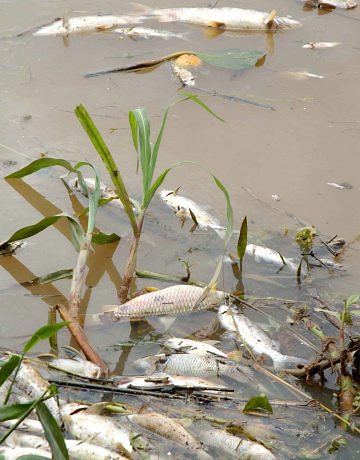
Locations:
{"points": [[258, 402], [234, 59]]}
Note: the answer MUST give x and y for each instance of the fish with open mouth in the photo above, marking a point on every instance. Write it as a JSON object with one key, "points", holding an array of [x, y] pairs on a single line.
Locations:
{"points": [[82, 25], [255, 338], [227, 18]]}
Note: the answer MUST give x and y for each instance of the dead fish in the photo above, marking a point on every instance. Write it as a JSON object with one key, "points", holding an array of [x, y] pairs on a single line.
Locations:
{"points": [[29, 425], [103, 431], [81, 450], [162, 381], [193, 347], [227, 18], [173, 300], [341, 4], [82, 25], [320, 45], [13, 454], [185, 76], [240, 447], [265, 255], [105, 191], [302, 75], [24, 439], [31, 385], [204, 366], [146, 33], [255, 337], [166, 427]]}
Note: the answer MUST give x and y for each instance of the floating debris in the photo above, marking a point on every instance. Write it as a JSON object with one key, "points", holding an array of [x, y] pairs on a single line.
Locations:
{"points": [[8, 249], [255, 337], [82, 25], [342, 186], [275, 197], [320, 45], [185, 76], [173, 300], [227, 18], [146, 33]]}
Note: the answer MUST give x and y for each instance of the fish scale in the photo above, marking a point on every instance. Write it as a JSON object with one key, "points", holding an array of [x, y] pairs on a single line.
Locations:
{"points": [[173, 300]]}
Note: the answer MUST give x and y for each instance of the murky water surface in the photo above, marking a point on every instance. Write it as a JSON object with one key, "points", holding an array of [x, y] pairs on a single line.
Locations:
{"points": [[310, 139]]}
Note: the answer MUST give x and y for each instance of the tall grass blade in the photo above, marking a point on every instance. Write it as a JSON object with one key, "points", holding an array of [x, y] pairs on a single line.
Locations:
{"points": [[157, 183], [229, 211], [105, 155], [198, 101], [155, 150], [52, 432], [42, 334]]}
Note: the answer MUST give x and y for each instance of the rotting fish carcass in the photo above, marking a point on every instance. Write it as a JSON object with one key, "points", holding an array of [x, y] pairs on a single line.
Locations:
{"points": [[146, 33], [173, 300], [193, 347], [255, 337], [228, 18], [320, 45], [105, 191], [82, 25], [81, 450]]}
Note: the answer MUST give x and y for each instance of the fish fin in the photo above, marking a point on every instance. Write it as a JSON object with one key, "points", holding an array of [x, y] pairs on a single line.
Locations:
{"points": [[215, 24], [270, 18]]}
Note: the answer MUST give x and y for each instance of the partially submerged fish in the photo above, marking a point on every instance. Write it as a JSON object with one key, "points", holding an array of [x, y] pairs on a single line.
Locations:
{"points": [[146, 33], [330, 4], [239, 447], [193, 347], [103, 431], [82, 25], [320, 45], [227, 18], [81, 450], [14, 453], [166, 427], [255, 338], [82, 367], [265, 255], [173, 300]]}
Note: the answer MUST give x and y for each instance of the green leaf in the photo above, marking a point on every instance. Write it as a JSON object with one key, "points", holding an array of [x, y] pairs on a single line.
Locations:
{"points": [[77, 235], [40, 164], [242, 241], [103, 238], [8, 367], [351, 300], [43, 333], [14, 411], [50, 277], [229, 211], [155, 150], [106, 157], [234, 59], [198, 101], [151, 192], [52, 432], [258, 402]]}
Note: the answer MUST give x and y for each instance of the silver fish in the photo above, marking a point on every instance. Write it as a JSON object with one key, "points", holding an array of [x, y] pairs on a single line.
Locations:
{"points": [[81, 450], [103, 431], [13, 454], [173, 300], [228, 18], [146, 33], [204, 366], [240, 447], [166, 427], [161, 381], [193, 347], [82, 25], [262, 254], [255, 337], [319, 45]]}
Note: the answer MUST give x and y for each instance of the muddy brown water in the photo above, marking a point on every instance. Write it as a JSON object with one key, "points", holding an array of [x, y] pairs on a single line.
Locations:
{"points": [[309, 139]]}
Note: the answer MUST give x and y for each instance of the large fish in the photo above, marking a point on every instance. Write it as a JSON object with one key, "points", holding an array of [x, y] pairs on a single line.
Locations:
{"points": [[82, 24], [173, 300], [255, 337], [228, 18]]}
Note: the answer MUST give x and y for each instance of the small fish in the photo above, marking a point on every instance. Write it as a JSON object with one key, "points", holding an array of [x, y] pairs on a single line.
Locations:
{"points": [[193, 347], [166, 427], [303, 75], [81, 450], [162, 381], [265, 255], [173, 300], [98, 429], [204, 366], [255, 337], [239, 447], [227, 18], [146, 33], [341, 4], [82, 25], [320, 45]]}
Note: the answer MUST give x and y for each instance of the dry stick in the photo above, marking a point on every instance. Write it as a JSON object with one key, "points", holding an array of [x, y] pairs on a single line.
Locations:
{"points": [[81, 339]]}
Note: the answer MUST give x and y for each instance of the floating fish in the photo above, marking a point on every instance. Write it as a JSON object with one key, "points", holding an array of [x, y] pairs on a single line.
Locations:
{"points": [[24, 439], [173, 300], [13, 454], [103, 431], [166, 427], [255, 337], [82, 25], [81, 450], [320, 45], [146, 33], [341, 4], [193, 347], [239, 447], [227, 18], [204, 366], [265, 255], [162, 381]]}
